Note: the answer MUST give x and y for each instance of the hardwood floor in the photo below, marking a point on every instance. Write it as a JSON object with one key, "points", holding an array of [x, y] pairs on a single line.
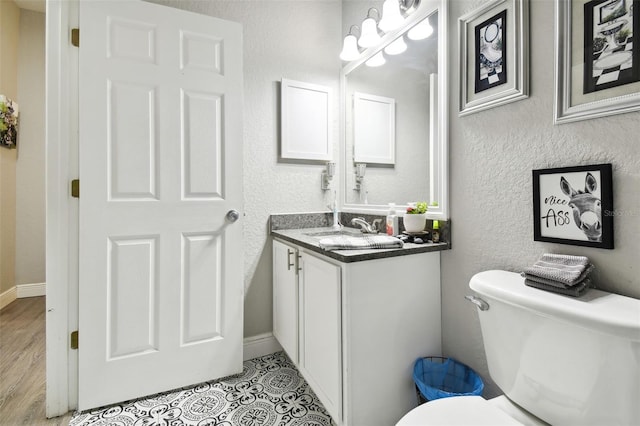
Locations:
{"points": [[22, 364]]}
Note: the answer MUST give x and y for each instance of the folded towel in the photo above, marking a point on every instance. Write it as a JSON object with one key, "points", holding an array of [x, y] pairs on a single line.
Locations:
{"points": [[345, 242], [575, 291], [566, 269], [555, 283]]}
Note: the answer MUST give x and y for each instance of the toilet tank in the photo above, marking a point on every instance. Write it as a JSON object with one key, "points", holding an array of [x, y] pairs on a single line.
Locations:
{"points": [[568, 361]]}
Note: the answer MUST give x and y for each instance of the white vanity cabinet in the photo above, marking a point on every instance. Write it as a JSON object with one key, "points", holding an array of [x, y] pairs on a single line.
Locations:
{"points": [[306, 319], [285, 298], [357, 328]]}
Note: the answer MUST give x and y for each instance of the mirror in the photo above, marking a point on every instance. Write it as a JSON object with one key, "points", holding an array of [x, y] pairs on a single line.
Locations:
{"points": [[394, 123]]}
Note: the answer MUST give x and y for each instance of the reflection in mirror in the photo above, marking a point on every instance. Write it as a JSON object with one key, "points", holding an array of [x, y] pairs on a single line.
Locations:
{"points": [[391, 112]]}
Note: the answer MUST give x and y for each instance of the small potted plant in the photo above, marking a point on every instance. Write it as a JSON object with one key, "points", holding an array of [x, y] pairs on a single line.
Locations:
{"points": [[415, 217]]}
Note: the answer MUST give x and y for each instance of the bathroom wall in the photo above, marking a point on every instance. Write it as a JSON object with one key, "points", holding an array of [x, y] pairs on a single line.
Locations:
{"points": [[299, 40], [492, 155], [30, 170], [9, 37]]}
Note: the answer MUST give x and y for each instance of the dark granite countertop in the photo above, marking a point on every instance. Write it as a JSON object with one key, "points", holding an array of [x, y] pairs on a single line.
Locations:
{"points": [[302, 238]]}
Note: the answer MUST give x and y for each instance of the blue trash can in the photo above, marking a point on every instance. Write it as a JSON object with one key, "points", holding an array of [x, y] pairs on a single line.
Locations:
{"points": [[437, 377]]}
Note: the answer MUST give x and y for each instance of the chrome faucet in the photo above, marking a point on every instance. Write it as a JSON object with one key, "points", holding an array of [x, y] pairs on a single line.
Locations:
{"points": [[364, 226]]}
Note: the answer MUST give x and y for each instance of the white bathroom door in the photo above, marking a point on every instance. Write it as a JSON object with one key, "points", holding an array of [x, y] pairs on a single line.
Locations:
{"points": [[161, 271]]}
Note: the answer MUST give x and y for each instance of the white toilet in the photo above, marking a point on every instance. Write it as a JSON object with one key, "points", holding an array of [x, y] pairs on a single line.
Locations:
{"points": [[559, 360]]}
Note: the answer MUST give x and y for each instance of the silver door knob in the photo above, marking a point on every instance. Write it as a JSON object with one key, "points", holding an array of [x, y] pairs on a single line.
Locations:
{"points": [[233, 215]]}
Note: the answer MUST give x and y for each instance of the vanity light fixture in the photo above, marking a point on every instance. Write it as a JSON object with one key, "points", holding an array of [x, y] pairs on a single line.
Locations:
{"points": [[420, 31], [394, 12], [391, 17], [369, 36], [396, 47], [376, 60], [350, 50], [327, 175]]}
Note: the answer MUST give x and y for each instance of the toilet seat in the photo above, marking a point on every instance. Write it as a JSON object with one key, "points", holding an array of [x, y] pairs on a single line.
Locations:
{"points": [[459, 410]]}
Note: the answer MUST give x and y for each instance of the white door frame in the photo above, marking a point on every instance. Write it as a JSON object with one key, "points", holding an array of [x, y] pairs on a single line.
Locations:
{"points": [[61, 209]]}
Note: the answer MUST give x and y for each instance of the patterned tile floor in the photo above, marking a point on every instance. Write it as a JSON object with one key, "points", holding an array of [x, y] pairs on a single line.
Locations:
{"points": [[269, 391]]}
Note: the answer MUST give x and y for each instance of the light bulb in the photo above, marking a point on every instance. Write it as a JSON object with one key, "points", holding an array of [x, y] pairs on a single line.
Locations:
{"points": [[420, 31], [369, 36], [350, 50], [396, 47], [376, 60], [391, 17]]}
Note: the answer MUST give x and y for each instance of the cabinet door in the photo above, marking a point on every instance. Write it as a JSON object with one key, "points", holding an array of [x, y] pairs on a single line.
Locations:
{"points": [[321, 336], [285, 298]]}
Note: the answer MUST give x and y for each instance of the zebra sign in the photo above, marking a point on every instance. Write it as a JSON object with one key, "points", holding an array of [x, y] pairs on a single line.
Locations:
{"points": [[574, 205]]}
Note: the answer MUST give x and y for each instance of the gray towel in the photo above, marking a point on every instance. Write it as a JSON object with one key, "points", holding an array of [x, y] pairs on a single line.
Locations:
{"points": [[558, 284], [563, 268], [345, 242], [575, 291]]}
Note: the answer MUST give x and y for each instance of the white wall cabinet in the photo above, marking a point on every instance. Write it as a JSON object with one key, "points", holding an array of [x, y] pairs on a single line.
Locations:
{"points": [[360, 327]]}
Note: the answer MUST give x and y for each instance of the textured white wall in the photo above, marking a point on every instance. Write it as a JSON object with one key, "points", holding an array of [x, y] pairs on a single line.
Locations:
{"points": [[30, 179], [299, 40], [492, 155]]}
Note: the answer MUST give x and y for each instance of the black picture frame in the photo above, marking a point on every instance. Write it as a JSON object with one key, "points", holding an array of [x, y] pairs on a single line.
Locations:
{"points": [[574, 205], [611, 58], [491, 34]]}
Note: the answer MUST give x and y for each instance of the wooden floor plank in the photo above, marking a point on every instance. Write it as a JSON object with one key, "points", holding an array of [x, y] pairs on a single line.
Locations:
{"points": [[22, 365]]}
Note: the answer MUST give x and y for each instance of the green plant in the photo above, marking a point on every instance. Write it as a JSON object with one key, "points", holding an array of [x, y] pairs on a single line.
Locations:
{"points": [[421, 207], [622, 35], [598, 44]]}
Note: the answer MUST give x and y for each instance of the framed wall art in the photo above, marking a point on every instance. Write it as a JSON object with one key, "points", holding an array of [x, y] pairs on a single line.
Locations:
{"points": [[305, 119], [574, 205], [8, 122], [494, 51], [597, 61]]}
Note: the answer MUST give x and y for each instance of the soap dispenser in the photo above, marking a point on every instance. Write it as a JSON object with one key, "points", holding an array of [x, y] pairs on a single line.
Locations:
{"points": [[435, 233], [392, 220]]}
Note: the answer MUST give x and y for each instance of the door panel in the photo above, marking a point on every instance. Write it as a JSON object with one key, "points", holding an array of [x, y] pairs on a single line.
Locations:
{"points": [[161, 273]]}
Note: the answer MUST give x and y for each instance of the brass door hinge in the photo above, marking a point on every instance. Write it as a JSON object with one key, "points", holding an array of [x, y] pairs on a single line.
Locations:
{"points": [[74, 340], [75, 188], [75, 37]]}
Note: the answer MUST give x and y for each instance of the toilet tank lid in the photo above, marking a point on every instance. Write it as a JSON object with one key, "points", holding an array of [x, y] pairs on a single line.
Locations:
{"points": [[598, 310]]}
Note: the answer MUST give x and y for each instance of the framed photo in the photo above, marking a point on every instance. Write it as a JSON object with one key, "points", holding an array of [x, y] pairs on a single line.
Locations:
{"points": [[597, 62], [494, 51], [574, 205], [8, 122]]}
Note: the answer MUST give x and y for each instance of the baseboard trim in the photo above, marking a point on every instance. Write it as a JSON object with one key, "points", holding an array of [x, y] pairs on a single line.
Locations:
{"points": [[260, 345], [8, 297], [31, 290]]}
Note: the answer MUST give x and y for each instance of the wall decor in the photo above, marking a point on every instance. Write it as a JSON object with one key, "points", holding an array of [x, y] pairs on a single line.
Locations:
{"points": [[8, 122], [574, 205], [494, 52], [305, 118], [597, 62]]}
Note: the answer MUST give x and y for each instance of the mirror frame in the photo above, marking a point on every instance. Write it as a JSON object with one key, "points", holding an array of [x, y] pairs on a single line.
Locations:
{"points": [[439, 149]]}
